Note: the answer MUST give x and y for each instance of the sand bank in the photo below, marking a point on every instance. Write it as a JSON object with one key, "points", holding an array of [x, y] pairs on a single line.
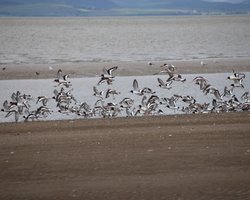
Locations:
{"points": [[37, 71]]}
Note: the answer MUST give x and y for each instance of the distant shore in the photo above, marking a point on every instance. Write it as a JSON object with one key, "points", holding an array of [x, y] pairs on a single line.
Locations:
{"points": [[91, 69]]}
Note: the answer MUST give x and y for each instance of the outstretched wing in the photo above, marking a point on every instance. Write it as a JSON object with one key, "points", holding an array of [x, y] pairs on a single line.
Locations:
{"points": [[135, 85], [110, 70], [59, 74], [104, 70], [107, 93], [55, 92], [95, 90], [6, 105], [160, 81]]}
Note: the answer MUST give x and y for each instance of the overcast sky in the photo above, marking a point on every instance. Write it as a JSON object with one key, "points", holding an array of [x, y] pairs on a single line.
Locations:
{"points": [[231, 1]]}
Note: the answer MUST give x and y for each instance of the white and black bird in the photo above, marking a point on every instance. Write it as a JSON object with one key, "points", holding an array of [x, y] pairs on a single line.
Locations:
{"points": [[15, 113], [111, 92], [245, 96], [228, 92], [176, 77], [6, 106], [108, 73], [201, 81], [164, 85], [127, 102], [142, 91], [238, 78], [42, 99], [62, 80], [136, 89], [97, 93]]}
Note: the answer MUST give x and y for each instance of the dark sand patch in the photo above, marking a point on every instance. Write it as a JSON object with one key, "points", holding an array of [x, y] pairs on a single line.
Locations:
{"points": [[33, 71]]}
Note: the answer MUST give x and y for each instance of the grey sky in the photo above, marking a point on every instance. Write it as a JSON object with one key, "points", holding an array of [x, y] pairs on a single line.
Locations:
{"points": [[230, 1]]}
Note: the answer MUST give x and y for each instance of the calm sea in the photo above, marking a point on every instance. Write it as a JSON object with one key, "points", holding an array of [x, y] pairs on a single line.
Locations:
{"points": [[98, 39]]}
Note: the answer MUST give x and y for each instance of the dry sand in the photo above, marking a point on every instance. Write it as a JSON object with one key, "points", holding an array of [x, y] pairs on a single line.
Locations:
{"points": [[166, 157]]}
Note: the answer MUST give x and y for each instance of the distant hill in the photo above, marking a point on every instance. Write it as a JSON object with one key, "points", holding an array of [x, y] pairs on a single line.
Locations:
{"points": [[97, 4], [182, 4], [115, 7], [246, 2]]}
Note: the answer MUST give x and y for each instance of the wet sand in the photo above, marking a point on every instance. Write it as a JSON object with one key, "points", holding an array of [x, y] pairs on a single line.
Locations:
{"points": [[85, 69], [165, 157]]}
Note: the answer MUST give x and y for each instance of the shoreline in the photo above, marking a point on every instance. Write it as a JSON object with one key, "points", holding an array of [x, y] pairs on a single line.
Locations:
{"points": [[137, 121], [126, 68]]}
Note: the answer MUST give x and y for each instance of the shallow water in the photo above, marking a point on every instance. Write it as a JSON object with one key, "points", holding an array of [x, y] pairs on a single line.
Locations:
{"points": [[98, 39], [83, 91]]}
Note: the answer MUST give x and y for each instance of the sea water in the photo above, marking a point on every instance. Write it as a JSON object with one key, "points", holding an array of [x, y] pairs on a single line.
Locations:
{"points": [[98, 39]]}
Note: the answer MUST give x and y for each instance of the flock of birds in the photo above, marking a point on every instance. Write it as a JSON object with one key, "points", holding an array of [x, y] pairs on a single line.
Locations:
{"points": [[150, 103]]}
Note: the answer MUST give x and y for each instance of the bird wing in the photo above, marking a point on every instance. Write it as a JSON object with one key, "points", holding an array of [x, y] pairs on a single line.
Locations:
{"points": [[59, 73], [161, 81], [143, 101], [65, 77], [104, 70], [110, 70], [16, 116], [10, 113], [171, 75], [169, 83], [95, 90], [14, 97], [135, 85], [107, 93], [5, 105], [55, 92]]}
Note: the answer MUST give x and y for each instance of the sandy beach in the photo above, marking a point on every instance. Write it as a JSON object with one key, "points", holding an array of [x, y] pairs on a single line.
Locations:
{"points": [[171, 157], [160, 157]]}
